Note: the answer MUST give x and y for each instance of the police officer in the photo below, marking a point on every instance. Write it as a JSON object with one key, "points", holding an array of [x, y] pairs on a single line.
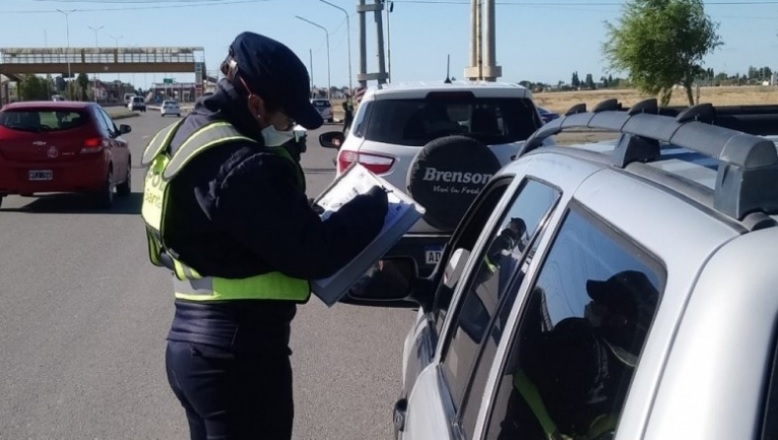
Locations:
{"points": [[348, 114], [226, 211]]}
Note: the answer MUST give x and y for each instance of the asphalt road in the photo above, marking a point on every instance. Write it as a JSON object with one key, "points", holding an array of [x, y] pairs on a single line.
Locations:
{"points": [[84, 317]]}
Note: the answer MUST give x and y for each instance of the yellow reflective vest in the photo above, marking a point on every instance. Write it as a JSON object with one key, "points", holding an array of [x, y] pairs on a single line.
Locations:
{"points": [[188, 284], [526, 387]]}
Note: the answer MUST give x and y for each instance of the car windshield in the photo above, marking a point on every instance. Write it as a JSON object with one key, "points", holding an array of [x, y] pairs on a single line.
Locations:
{"points": [[321, 103], [415, 122], [42, 120]]}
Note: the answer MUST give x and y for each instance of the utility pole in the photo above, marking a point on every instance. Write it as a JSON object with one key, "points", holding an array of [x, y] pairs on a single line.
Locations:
{"points": [[381, 76], [389, 9], [362, 76]]}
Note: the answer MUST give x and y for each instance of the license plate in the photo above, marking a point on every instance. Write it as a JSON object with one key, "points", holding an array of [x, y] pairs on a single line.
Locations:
{"points": [[40, 175], [432, 256]]}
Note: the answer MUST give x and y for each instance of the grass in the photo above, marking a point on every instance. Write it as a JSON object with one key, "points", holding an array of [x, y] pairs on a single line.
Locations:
{"points": [[560, 102], [119, 112]]}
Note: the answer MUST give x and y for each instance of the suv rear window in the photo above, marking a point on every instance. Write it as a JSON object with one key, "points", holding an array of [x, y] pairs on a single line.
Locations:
{"points": [[42, 120], [415, 122], [321, 104]]}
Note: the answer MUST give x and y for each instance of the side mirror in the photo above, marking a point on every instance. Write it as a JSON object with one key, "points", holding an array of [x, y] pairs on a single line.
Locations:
{"points": [[332, 139], [390, 283], [124, 129]]}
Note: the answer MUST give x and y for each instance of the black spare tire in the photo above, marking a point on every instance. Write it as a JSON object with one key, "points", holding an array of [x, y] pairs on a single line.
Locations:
{"points": [[447, 175]]}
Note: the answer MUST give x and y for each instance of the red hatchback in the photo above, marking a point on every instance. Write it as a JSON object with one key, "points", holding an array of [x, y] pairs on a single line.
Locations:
{"points": [[65, 146]]}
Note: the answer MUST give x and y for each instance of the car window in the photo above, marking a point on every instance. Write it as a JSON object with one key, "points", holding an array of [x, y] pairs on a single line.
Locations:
{"points": [[415, 122], [360, 121], [579, 337], [107, 122], [44, 120], [491, 284], [458, 250]]}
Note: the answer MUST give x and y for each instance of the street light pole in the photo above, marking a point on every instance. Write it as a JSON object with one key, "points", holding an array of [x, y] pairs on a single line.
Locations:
{"points": [[67, 34], [348, 30], [97, 46], [329, 83]]}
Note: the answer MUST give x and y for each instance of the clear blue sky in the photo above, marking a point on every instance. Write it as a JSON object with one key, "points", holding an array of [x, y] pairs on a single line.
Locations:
{"points": [[538, 40]]}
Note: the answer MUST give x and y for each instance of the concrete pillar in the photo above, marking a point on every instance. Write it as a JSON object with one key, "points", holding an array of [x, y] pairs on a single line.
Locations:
{"points": [[491, 71]]}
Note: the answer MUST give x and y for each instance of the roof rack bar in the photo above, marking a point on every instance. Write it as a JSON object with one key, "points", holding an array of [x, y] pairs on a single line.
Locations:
{"points": [[748, 164], [727, 145], [578, 108]]}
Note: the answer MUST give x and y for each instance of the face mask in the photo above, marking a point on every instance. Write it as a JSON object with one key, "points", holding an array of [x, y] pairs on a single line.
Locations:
{"points": [[276, 138]]}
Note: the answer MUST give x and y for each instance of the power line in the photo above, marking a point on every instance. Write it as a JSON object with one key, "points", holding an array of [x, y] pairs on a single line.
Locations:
{"points": [[540, 3], [171, 5]]}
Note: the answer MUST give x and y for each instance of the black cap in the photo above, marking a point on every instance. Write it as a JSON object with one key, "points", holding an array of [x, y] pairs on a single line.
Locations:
{"points": [[273, 71], [629, 291], [519, 223]]}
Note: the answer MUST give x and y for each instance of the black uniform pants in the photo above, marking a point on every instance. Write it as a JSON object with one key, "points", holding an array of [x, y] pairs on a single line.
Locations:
{"points": [[232, 397]]}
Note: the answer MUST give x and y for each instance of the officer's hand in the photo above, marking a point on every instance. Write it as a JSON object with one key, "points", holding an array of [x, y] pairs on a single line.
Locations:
{"points": [[379, 198], [316, 208]]}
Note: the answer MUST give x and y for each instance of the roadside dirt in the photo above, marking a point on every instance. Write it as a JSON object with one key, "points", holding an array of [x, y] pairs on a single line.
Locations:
{"points": [[579, 137]]}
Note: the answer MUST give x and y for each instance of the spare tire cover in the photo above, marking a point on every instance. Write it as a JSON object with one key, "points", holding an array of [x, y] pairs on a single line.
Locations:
{"points": [[447, 175]]}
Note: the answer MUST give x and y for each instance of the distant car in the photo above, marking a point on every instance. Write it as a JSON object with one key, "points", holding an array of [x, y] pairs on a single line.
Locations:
{"points": [[547, 115], [137, 103], [57, 98], [325, 108], [170, 107], [66, 146]]}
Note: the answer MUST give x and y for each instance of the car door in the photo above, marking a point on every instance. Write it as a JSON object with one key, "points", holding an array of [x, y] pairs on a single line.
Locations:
{"points": [[421, 343], [487, 287], [120, 147], [571, 355], [476, 294]]}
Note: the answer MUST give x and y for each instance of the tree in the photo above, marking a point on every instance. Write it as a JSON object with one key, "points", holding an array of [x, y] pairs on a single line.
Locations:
{"points": [[590, 82], [661, 43], [575, 82], [33, 88], [83, 84]]}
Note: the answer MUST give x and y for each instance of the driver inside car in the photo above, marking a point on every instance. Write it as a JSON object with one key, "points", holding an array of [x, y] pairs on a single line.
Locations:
{"points": [[573, 379]]}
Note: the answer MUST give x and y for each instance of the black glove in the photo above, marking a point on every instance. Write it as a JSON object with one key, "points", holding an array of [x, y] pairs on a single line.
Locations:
{"points": [[316, 208], [379, 198]]}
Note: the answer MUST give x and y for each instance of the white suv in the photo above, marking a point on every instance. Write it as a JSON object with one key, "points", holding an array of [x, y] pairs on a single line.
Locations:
{"points": [[442, 142]]}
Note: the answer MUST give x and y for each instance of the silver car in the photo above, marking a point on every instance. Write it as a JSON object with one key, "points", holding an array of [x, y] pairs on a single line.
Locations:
{"points": [[623, 289]]}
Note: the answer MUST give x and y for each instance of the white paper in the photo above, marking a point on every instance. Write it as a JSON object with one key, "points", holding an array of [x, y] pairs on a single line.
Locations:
{"points": [[401, 214]]}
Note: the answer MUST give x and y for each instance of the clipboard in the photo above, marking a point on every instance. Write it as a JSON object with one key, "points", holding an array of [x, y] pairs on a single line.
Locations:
{"points": [[402, 213]]}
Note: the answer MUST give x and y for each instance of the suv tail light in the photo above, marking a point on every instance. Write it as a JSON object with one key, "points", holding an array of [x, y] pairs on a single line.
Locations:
{"points": [[376, 163], [93, 145]]}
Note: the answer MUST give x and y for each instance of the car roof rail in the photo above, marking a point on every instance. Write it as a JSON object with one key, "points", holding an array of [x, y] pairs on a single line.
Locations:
{"points": [[748, 164]]}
